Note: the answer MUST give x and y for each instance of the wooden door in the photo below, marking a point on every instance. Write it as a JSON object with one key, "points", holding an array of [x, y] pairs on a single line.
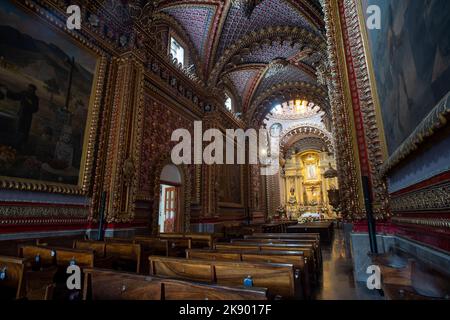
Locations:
{"points": [[170, 208]]}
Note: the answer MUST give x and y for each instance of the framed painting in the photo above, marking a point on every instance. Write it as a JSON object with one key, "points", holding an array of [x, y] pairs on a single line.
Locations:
{"points": [[49, 97]]}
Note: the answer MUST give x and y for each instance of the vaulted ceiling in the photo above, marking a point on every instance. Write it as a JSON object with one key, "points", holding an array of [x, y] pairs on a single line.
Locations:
{"points": [[278, 44]]}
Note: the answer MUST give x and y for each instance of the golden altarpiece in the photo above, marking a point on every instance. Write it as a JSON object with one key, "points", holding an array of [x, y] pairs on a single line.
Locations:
{"points": [[304, 186]]}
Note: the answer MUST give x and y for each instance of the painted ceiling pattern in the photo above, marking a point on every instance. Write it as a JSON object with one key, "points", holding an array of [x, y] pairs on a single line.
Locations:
{"points": [[269, 52], [196, 20], [308, 143], [268, 13], [242, 79], [289, 74], [213, 29]]}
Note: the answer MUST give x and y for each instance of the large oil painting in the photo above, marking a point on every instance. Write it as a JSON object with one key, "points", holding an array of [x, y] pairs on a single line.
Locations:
{"points": [[411, 62], [46, 82]]}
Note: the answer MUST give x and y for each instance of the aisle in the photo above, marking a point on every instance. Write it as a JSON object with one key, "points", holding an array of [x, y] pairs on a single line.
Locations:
{"points": [[337, 282]]}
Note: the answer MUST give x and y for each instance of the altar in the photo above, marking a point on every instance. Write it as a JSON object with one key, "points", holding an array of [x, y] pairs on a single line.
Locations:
{"points": [[306, 186]]}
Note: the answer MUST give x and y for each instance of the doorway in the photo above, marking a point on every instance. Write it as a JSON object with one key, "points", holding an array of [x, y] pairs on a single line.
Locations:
{"points": [[169, 218]]}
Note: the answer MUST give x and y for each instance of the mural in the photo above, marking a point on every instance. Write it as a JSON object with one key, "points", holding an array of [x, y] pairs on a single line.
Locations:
{"points": [[411, 60], [45, 89]]}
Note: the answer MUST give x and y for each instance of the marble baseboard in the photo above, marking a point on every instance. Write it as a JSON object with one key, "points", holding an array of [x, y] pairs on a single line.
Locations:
{"points": [[42, 234], [360, 248]]}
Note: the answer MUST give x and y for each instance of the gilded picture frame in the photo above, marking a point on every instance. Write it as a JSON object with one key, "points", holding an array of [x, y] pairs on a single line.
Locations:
{"points": [[88, 141]]}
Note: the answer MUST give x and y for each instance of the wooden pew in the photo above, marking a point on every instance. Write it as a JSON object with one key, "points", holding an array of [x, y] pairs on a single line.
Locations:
{"points": [[113, 285], [52, 275], [284, 236], [122, 254], [307, 250], [97, 246], [301, 242], [296, 258], [277, 278], [198, 240], [183, 290], [113, 254], [176, 245], [12, 287], [51, 256]]}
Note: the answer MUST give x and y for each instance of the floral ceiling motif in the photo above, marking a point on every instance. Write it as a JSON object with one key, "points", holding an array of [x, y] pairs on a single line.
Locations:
{"points": [[242, 79], [239, 49], [268, 13], [289, 74], [268, 52], [196, 20]]}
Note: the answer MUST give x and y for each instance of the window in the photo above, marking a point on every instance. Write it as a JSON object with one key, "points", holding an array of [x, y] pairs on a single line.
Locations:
{"points": [[177, 51], [228, 104]]}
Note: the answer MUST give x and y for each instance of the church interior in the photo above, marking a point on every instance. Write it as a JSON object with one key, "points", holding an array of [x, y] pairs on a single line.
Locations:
{"points": [[346, 102]]}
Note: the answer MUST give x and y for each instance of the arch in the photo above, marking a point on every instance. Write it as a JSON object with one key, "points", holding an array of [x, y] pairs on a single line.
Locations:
{"points": [[180, 173], [293, 134], [262, 105], [165, 19], [171, 174], [254, 39]]}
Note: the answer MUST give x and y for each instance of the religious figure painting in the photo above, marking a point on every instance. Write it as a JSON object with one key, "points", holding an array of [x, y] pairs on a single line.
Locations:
{"points": [[46, 82]]}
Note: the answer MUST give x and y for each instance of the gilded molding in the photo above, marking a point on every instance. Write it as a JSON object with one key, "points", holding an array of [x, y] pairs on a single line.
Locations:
{"points": [[434, 223], [42, 212], [428, 199], [92, 122], [350, 191], [372, 129], [435, 120]]}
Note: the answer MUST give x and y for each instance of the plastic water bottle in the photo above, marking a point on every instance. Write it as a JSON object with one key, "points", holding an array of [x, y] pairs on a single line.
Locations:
{"points": [[248, 282], [3, 274]]}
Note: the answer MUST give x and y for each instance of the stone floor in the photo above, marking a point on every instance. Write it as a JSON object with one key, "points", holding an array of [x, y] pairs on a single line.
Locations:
{"points": [[337, 281]]}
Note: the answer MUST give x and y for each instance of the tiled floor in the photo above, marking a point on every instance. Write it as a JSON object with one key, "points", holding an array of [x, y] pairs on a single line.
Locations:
{"points": [[337, 282]]}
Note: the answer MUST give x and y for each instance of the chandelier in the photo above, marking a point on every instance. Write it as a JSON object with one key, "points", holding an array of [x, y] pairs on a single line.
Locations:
{"points": [[246, 5]]}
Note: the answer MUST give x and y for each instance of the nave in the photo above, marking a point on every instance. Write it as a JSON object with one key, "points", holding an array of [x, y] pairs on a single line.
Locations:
{"points": [[224, 149], [200, 266]]}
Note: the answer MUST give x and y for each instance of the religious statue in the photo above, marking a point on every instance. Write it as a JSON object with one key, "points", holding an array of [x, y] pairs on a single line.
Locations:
{"points": [[292, 204], [311, 171]]}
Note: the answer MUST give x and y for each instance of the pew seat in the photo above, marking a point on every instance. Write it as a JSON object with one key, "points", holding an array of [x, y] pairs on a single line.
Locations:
{"points": [[112, 285]]}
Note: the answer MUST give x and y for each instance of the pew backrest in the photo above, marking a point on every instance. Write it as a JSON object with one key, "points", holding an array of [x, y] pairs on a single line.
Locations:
{"points": [[97, 246], [111, 285], [213, 255], [155, 246], [13, 278], [277, 278], [181, 269], [284, 236], [182, 290], [129, 251], [47, 255], [60, 256]]}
